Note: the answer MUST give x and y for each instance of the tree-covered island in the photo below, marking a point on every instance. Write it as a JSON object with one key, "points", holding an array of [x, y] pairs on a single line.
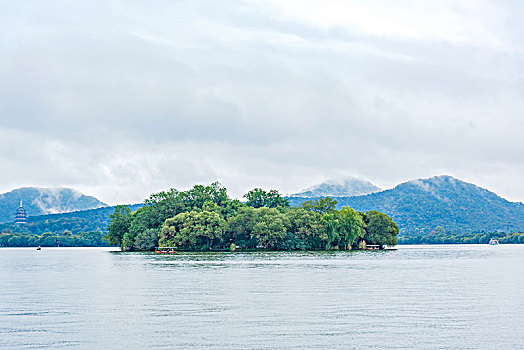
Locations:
{"points": [[206, 218]]}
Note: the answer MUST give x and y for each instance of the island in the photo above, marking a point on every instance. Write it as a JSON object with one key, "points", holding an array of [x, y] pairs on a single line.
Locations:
{"points": [[205, 218]]}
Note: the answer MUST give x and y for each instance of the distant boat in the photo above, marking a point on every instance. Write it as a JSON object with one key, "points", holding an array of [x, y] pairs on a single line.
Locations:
{"points": [[493, 241], [39, 248], [165, 250]]}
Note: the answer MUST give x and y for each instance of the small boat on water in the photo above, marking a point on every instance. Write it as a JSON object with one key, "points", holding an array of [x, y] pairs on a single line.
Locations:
{"points": [[165, 250], [39, 248], [493, 241]]}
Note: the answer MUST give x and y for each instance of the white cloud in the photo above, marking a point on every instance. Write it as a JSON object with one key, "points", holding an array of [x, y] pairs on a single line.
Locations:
{"points": [[122, 99], [462, 22]]}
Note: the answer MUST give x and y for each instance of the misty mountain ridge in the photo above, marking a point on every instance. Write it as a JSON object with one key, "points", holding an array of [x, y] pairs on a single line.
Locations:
{"points": [[347, 187], [418, 206], [41, 201]]}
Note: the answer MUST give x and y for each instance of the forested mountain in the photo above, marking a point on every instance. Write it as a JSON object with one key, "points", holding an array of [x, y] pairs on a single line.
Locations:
{"points": [[39, 201], [78, 221], [419, 206], [350, 186]]}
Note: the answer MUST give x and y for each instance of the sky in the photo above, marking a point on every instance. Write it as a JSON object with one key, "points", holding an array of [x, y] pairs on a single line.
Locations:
{"points": [[120, 99]]}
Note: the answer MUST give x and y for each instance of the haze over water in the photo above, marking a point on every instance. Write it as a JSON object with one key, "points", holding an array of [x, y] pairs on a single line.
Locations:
{"points": [[423, 297]]}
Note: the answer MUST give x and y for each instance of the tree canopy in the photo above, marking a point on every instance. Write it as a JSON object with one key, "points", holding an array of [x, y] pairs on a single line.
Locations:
{"points": [[320, 205], [193, 230], [381, 229], [119, 224], [258, 198], [205, 217], [50, 239]]}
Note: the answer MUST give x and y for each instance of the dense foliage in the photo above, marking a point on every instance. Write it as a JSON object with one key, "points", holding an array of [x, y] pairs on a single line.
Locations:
{"points": [[459, 207], [205, 218], [49, 239], [472, 238]]}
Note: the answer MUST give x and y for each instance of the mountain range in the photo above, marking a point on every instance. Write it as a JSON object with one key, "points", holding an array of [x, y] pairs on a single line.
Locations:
{"points": [[41, 201], [419, 206]]}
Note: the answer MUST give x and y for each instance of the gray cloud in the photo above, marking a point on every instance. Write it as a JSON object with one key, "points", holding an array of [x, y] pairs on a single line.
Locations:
{"points": [[119, 99]]}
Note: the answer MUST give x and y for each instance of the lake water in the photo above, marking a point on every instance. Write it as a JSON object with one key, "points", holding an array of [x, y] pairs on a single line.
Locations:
{"points": [[417, 297]]}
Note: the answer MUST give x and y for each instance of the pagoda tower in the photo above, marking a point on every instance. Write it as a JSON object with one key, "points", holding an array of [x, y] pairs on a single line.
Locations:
{"points": [[20, 216]]}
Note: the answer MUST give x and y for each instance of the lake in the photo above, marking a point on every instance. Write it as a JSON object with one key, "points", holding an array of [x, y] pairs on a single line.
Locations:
{"points": [[418, 297]]}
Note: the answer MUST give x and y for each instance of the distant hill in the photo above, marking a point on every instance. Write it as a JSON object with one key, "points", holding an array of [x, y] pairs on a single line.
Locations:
{"points": [[347, 187], [78, 221], [419, 206], [39, 201]]}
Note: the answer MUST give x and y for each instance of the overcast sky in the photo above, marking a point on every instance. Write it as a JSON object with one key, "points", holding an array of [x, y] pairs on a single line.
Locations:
{"points": [[119, 99]]}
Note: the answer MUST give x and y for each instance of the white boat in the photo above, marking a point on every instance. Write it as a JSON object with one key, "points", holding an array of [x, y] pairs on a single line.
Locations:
{"points": [[493, 241]]}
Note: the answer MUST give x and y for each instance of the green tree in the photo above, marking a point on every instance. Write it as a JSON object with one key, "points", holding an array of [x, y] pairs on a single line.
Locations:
{"points": [[65, 239], [211, 206], [200, 194], [14, 241], [128, 241], [119, 224], [380, 229], [91, 238], [161, 206], [240, 228], [143, 219], [307, 226], [4, 239], [320, 205], [330, 222], [193, 230], [350, 227], [258, 198], [48, 239], [232, 208], [147, 240], [270, 227]]}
